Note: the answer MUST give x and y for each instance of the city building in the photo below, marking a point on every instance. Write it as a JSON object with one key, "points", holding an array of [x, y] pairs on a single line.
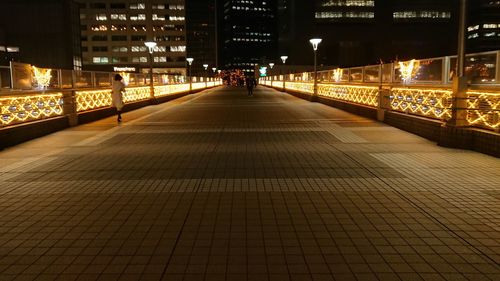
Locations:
{"points": [[201, 29], [114, 32], [249, 33], [361, 32], [43, 33], [483, 29]]}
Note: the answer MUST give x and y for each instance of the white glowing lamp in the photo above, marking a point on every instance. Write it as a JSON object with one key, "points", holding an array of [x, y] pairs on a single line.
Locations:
{"points": [[205, 66], [190, 60], [151, 46], [271, 64], [214, 69], [284, 58], [315, 42]]}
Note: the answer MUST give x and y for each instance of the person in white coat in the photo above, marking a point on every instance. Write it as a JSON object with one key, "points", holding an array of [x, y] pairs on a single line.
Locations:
{"points": [[117, 95]]}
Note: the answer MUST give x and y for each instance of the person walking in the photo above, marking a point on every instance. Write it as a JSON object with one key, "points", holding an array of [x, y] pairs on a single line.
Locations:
{"points": [[117, 95], [250, 84]]}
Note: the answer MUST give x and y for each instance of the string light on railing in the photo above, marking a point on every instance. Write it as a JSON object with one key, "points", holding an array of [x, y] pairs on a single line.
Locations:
{"points": [[42, 77]]}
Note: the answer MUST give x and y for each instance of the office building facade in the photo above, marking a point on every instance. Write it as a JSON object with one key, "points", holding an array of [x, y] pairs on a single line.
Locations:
{"points": [[113, 33], [361, 32], [43, 33], [249, 33], [483, 28], [201, 29]]}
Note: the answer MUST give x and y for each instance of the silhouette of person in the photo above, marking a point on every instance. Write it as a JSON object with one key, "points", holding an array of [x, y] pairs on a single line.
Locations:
{"points": [[117, 95], [250, 84]]}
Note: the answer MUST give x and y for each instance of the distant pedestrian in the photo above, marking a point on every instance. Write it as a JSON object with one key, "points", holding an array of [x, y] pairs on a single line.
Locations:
{"points": [[117, 95], [250, 84]]}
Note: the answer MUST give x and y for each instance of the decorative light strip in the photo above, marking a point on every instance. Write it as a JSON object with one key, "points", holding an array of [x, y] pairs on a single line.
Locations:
{"points": [[21, 109], [431, 103], [88, 100], [300, 87], [366, 95], [165, 90], [277, 84], [199, 85], [483, 109]]}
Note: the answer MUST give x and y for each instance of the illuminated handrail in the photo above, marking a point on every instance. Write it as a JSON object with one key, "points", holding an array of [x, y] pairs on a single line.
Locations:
{"points": [[483, 109], [431, 103], [25, 108], [366, 95], [94, 99]]}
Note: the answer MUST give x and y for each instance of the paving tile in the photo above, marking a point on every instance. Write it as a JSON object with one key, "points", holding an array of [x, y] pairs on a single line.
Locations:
{"points": [[217, 186]]}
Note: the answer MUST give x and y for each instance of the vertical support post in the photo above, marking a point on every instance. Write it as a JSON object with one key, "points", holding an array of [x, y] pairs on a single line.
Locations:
{"points": [[151, 80], [315, 87], [69, 107], [459, 102]]}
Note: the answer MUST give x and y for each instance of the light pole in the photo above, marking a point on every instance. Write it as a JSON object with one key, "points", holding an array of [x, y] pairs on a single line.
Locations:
{"points": [[315, 42], [271, 65], [283, 59], [206, 74], [151, 46], [190, 61]]}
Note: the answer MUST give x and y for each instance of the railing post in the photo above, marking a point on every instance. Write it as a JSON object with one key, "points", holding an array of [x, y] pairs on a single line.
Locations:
{"points": [[69, 107]]}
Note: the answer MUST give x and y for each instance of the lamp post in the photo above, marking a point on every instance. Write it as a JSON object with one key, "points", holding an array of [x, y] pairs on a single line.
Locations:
{"points": [[283, 59], [190, 61], [206, 74], [315, 42], [271, 65], [151, 46]]}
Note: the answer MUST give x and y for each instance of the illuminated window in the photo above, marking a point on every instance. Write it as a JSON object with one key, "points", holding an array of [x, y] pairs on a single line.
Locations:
{"points": [[421, 14], [137, 49], [118, 49], [490, 25], [139, 59], [348, 3], [138, 6], [175, 18], [138, 17], [158, 17], [100, 60], [118, 27], [119, 59], [177, 48], [12, 49], [472, 28], [159, 7], [118, 16], [347, 15], [160, 59], [160, 49], [176, 7], [99, 28], [138, 27], [101, 17]]}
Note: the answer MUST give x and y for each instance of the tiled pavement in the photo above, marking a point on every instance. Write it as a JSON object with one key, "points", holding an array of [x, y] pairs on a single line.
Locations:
{"points": [[221, 186]]}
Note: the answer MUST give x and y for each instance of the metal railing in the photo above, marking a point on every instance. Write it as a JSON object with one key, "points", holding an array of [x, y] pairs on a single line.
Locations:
{"points": [[428, 93]]}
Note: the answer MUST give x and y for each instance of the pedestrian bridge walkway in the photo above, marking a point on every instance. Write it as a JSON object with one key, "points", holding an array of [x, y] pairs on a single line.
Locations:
{"points": [[222, 186]]}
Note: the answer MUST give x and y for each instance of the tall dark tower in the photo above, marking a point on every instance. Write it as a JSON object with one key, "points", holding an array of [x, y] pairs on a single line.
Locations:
{"points": [[201, 35], [483, 29], [249, 33]]}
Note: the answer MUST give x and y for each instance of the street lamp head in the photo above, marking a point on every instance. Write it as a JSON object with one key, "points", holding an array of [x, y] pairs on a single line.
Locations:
{"points": [[214, 69], [315, 42], [271, 64], [151, 45], [284, 58], [205, 66], [190, 60]]}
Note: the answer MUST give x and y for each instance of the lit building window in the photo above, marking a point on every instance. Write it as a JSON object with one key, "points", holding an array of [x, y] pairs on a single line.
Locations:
{"points": [[175, 7], [473, 35], [158, 17], [139, 59], [99, 28], [348, 3], [421, 15], [177, 48], [490, 25], [118, 16], [118, 49], [138, 6], [138, 27], [159, 7], [175, 18], [100, 60], [118, 27], [138, 17], [160, 59], [136, 49], [472, 28], [347, 15], [160, 49], [101, 17]]}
